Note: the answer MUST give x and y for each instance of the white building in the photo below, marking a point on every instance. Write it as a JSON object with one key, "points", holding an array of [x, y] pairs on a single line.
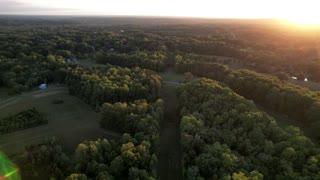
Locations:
{"points": [[43, 86]]}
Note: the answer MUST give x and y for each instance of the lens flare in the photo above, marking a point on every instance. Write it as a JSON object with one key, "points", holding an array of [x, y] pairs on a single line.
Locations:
{"points": [[8, 170]]}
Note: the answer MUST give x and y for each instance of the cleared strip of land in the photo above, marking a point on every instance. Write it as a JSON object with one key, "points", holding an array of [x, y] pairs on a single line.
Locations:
{"points": [[50, 93], [169, 164]]}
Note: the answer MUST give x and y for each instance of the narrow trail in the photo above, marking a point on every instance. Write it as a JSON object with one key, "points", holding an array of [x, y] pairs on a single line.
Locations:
{"points": [[169, 164]]}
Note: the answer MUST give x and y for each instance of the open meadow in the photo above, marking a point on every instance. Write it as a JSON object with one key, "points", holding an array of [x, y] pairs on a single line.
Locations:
{"points": [[73, 121]]}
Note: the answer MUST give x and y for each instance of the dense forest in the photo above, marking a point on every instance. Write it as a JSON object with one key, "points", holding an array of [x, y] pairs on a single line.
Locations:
{"points": [[116, 67], [140, 119], [264, 47], [269, 91], [28, 72], [154, 61], [112, 84], [225, 136], [100, 159]]}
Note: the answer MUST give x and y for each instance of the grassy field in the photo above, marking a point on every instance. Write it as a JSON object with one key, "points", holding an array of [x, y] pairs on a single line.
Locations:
{"points": [[170, 76], [72, 122], [231, 62]]}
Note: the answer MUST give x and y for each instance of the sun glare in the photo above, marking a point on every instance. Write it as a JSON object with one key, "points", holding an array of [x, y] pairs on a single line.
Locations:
{"points": [[303, 13], [305, 20]]}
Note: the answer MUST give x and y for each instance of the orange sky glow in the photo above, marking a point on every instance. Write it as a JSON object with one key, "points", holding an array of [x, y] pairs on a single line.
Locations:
{"points": [[297, 11]]}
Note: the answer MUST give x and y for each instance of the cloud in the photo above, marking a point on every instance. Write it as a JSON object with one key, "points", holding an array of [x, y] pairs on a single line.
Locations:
{"points": [[23, 8]]}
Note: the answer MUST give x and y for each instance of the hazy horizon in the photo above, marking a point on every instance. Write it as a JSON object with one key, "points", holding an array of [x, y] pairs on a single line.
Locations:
{"points": [[229, 9]]}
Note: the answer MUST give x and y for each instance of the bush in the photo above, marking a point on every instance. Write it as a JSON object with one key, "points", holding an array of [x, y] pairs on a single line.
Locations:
{"points": [[22, 120]]}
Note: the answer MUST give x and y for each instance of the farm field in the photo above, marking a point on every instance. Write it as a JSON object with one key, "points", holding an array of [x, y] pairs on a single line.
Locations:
{"points": [[72, 121]]}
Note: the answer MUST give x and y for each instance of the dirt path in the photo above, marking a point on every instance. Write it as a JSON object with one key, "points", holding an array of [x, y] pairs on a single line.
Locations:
{"points": [[48, 93], [169, 165]]}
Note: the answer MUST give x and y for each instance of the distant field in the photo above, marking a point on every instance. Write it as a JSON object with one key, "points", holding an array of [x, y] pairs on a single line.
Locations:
{"points": [[314, 86], [231, 62], [73, 121]]}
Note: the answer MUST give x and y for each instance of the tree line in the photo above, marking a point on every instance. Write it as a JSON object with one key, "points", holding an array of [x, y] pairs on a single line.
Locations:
{"points": [[25, 119], [127, 158], [269, 91], [225, 136], [139, 119], [24, 74], [112, 84], [143, 59], [296, 102]]}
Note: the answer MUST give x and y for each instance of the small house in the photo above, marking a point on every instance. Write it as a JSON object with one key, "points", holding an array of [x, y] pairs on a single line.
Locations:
{"points": [[43, 86], [305, 79], [295, 78]]}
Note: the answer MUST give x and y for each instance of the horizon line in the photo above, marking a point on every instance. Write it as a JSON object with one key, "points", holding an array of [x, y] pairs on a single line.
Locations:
{"points": [[144, 16]]}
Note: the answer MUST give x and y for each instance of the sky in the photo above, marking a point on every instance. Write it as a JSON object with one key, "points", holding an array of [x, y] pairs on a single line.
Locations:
{"points": [[287, 9]]}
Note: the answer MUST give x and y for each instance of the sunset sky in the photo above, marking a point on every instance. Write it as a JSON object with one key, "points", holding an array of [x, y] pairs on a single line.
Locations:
{"points": [[304, 10]]}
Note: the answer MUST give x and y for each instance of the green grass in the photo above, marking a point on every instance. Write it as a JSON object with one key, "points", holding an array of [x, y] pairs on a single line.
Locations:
{"points": [[72, 122], [231, 62], [171, 76]]}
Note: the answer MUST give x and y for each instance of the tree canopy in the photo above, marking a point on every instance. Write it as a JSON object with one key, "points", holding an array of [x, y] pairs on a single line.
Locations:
{"points": [[224, 135]]}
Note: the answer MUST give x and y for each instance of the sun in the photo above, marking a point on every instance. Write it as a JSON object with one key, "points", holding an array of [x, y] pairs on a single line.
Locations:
{"points": [[302, 20], [303, 13], [305, 20]]}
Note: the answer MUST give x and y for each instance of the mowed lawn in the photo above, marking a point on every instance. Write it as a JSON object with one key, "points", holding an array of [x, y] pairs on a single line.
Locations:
{"points": [[72, 122]]}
